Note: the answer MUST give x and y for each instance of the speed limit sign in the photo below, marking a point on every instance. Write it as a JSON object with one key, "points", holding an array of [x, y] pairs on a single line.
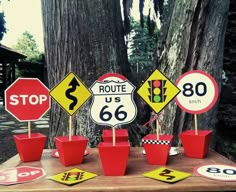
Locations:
{"points": [[217, 171], [113, 102], [199, 92]]}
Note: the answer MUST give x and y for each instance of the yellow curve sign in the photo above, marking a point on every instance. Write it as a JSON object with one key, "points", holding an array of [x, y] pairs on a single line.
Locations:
{"points": [[70, 93], [157, 91], [167, 175]]}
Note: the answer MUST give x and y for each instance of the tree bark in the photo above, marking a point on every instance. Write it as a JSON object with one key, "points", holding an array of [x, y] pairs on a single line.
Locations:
{"points": [[227, 107], [85, 37], [195, 40]]}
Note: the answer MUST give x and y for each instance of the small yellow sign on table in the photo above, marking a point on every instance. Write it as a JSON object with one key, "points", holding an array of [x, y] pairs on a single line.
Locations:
{"points": [[157, 91], [72, 176], [70, 93], [167, 175]]}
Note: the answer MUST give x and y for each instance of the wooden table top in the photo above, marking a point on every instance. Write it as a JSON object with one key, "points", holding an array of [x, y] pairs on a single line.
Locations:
{"points": [[133, 179]]}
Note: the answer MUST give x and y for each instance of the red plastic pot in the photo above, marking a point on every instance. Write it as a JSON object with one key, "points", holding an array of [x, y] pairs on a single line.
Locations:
{"points": [[196, 146], [71, 152], [30, 149], [114, 158], [121, 135], [157, 151]]}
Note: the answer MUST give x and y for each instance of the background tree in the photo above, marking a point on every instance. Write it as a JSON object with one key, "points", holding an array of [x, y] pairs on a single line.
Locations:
{"points": [[194, 40], [141, 47], [2, 25], [27, 45], [33, 64], [86, 37], [226, 137]]}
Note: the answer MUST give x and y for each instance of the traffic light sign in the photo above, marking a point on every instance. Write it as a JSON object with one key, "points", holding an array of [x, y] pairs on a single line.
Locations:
{"points": [[72, 176], [157, 91]]}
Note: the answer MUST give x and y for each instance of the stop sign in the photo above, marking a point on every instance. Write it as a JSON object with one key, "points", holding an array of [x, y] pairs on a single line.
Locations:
{"points": [[27, 99], [20, 175]]}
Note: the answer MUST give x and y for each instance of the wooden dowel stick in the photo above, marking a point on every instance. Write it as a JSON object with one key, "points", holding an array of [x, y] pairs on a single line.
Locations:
{"points": [[195, 122], [29, 129], [80, 127], [70, 127], [157, 129], [113, 136]]}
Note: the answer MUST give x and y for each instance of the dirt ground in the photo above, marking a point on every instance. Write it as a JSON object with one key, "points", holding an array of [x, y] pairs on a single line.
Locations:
{"points": [[10, 126]]}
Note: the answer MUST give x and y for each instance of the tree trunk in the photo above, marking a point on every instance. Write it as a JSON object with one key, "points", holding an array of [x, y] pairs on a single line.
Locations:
{"points": [[85, 37], [195, 40], [227, 107]]}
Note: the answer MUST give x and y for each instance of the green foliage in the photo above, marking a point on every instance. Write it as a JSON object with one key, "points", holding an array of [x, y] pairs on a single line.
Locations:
{"points": [[141, 47], [28, 46], [2, 25]]}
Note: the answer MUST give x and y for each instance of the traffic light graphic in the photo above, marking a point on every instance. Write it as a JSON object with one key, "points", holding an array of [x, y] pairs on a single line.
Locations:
{"points": [[157, 91], [72, 176]]}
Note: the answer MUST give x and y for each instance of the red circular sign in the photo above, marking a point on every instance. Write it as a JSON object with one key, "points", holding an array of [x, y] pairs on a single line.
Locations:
{"points": [[199, 92], [20, 175], [221, 172], [27, 99]]}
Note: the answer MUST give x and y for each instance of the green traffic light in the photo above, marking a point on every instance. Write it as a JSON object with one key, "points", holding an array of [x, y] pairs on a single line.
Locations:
{"points": [[157, 98]]}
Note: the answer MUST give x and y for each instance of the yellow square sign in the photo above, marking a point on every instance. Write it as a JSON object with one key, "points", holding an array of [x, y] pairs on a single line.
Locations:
{"points": [[167, 175], [70, 93], [157, 91], [72, 176]]}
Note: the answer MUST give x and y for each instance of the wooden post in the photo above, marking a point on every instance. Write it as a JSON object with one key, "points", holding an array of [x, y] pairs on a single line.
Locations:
{"points": [[195, 122], [157, 129], [113, 136], [70, 127], [29, 129]]}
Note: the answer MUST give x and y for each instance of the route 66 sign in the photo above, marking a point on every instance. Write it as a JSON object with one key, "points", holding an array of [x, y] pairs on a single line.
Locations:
{"points": [[113, 102]]}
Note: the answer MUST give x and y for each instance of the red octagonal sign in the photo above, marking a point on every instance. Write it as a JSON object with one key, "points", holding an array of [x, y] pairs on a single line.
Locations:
{"points": [[20, 175], [27, 99]]}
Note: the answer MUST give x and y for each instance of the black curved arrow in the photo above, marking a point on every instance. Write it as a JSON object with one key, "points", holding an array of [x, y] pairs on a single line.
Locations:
{"points": [[74, 83], [166, 173]]}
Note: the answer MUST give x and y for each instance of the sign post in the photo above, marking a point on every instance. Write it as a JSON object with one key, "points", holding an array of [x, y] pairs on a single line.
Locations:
{"points": [[27, 99], [70, 93], [113, 105], [158, 91], [113, 102], [199, 93]]}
